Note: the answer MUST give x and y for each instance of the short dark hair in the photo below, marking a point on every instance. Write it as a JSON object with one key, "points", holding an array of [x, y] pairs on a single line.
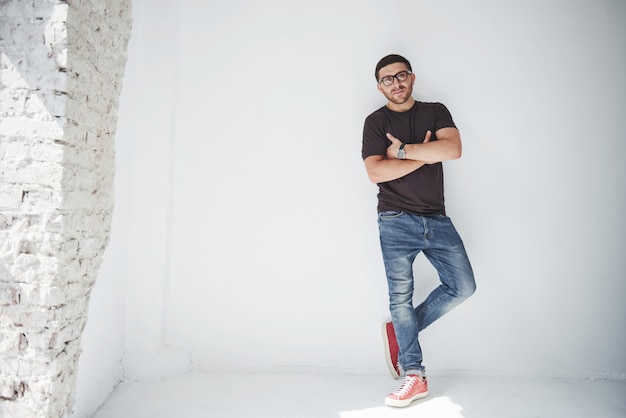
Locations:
{"points": [[391, 59]]}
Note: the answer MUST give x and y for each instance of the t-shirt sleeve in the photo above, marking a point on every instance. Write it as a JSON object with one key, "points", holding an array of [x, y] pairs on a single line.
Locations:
{"points": [[443, 118], [375, 141]]}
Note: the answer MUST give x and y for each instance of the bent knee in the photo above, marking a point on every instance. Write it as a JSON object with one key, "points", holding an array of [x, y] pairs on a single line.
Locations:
{"points": [[465, 290], [469, 289]]}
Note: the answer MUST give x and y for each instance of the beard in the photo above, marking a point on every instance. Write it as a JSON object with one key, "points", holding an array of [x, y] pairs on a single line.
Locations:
{"points": [[399, 95]]}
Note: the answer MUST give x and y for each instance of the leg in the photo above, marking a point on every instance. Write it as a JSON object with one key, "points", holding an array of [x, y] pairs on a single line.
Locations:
{"points": [[400, 244], [446, 253]]}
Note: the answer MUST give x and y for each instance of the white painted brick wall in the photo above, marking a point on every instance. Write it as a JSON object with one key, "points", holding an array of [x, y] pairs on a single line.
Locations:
{"points": [[61, 69]]}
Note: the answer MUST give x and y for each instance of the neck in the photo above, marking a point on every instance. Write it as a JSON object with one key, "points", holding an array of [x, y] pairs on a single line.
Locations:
{"points": [[402, 107]]}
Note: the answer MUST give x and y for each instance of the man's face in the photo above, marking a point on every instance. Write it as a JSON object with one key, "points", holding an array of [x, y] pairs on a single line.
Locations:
{"points": [[398, 92]]}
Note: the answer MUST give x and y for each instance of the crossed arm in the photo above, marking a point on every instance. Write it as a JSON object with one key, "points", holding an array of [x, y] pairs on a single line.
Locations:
{"points": [[383, 168]]}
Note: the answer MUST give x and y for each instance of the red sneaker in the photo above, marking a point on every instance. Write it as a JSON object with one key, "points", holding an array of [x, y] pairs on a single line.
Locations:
{"points": [[391, 349], [414, 387]]}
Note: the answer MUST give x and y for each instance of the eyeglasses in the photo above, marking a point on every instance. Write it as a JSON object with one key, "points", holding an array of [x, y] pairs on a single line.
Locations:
{"points": [[401, 76]]}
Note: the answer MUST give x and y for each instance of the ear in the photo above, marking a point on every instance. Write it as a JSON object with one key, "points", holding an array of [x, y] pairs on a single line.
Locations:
{"points": [[380, 89]]}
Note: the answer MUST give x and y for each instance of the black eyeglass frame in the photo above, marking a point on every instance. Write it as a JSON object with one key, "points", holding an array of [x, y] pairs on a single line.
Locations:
{"points": [[395, 76]]}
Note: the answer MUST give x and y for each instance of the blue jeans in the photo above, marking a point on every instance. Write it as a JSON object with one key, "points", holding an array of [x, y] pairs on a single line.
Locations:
{"points": [[402, 236]]}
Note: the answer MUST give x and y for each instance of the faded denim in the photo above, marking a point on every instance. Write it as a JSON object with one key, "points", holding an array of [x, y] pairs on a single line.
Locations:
{"points": [[403, 236]]}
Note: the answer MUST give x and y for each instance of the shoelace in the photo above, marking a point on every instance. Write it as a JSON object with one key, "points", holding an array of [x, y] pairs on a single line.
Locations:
{"points": [[407, 385]]}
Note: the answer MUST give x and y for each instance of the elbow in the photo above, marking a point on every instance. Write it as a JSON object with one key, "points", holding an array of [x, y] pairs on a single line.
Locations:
{"points": [[374, 173], [374, 178], [452, 148], [456, 152]]}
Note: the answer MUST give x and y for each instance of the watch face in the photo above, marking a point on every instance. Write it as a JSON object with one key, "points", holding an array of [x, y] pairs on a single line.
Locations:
{"points": [[401, 154]]}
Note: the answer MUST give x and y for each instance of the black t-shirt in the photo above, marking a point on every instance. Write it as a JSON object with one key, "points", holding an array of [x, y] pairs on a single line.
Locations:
{"points": [[421, 191]]}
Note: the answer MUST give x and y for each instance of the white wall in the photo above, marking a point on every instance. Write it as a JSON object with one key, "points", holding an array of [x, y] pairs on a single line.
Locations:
{"points": [[103, 341], [274, 257], [252, 240]]}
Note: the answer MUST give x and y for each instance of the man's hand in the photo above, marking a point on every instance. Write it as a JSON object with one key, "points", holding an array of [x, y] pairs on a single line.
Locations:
{"points": [[383, 168], [392, 150]]}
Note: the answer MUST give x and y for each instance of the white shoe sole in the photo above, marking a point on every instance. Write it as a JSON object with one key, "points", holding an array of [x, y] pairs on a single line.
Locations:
{"points": [[397, 403]]}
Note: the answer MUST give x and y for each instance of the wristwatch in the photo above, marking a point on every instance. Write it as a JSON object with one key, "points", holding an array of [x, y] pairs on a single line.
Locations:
{"points": [[401, 152]]}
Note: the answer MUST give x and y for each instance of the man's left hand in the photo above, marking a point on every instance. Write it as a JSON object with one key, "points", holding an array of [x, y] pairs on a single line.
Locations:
{"points": [[392, 150]]}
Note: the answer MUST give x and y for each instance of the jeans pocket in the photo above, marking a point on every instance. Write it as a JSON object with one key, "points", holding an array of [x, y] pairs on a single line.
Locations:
{"points": [[390, 214]]}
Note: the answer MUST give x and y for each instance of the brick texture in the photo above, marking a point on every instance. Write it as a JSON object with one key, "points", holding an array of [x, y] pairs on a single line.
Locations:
{"points": [[61, 69]]}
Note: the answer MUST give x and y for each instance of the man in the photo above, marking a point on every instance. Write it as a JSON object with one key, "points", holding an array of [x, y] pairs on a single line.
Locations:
{"points": [[404, 144]]}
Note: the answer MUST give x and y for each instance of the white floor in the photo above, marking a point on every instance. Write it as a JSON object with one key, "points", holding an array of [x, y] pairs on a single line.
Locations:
{"points": [[272, 395]]}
